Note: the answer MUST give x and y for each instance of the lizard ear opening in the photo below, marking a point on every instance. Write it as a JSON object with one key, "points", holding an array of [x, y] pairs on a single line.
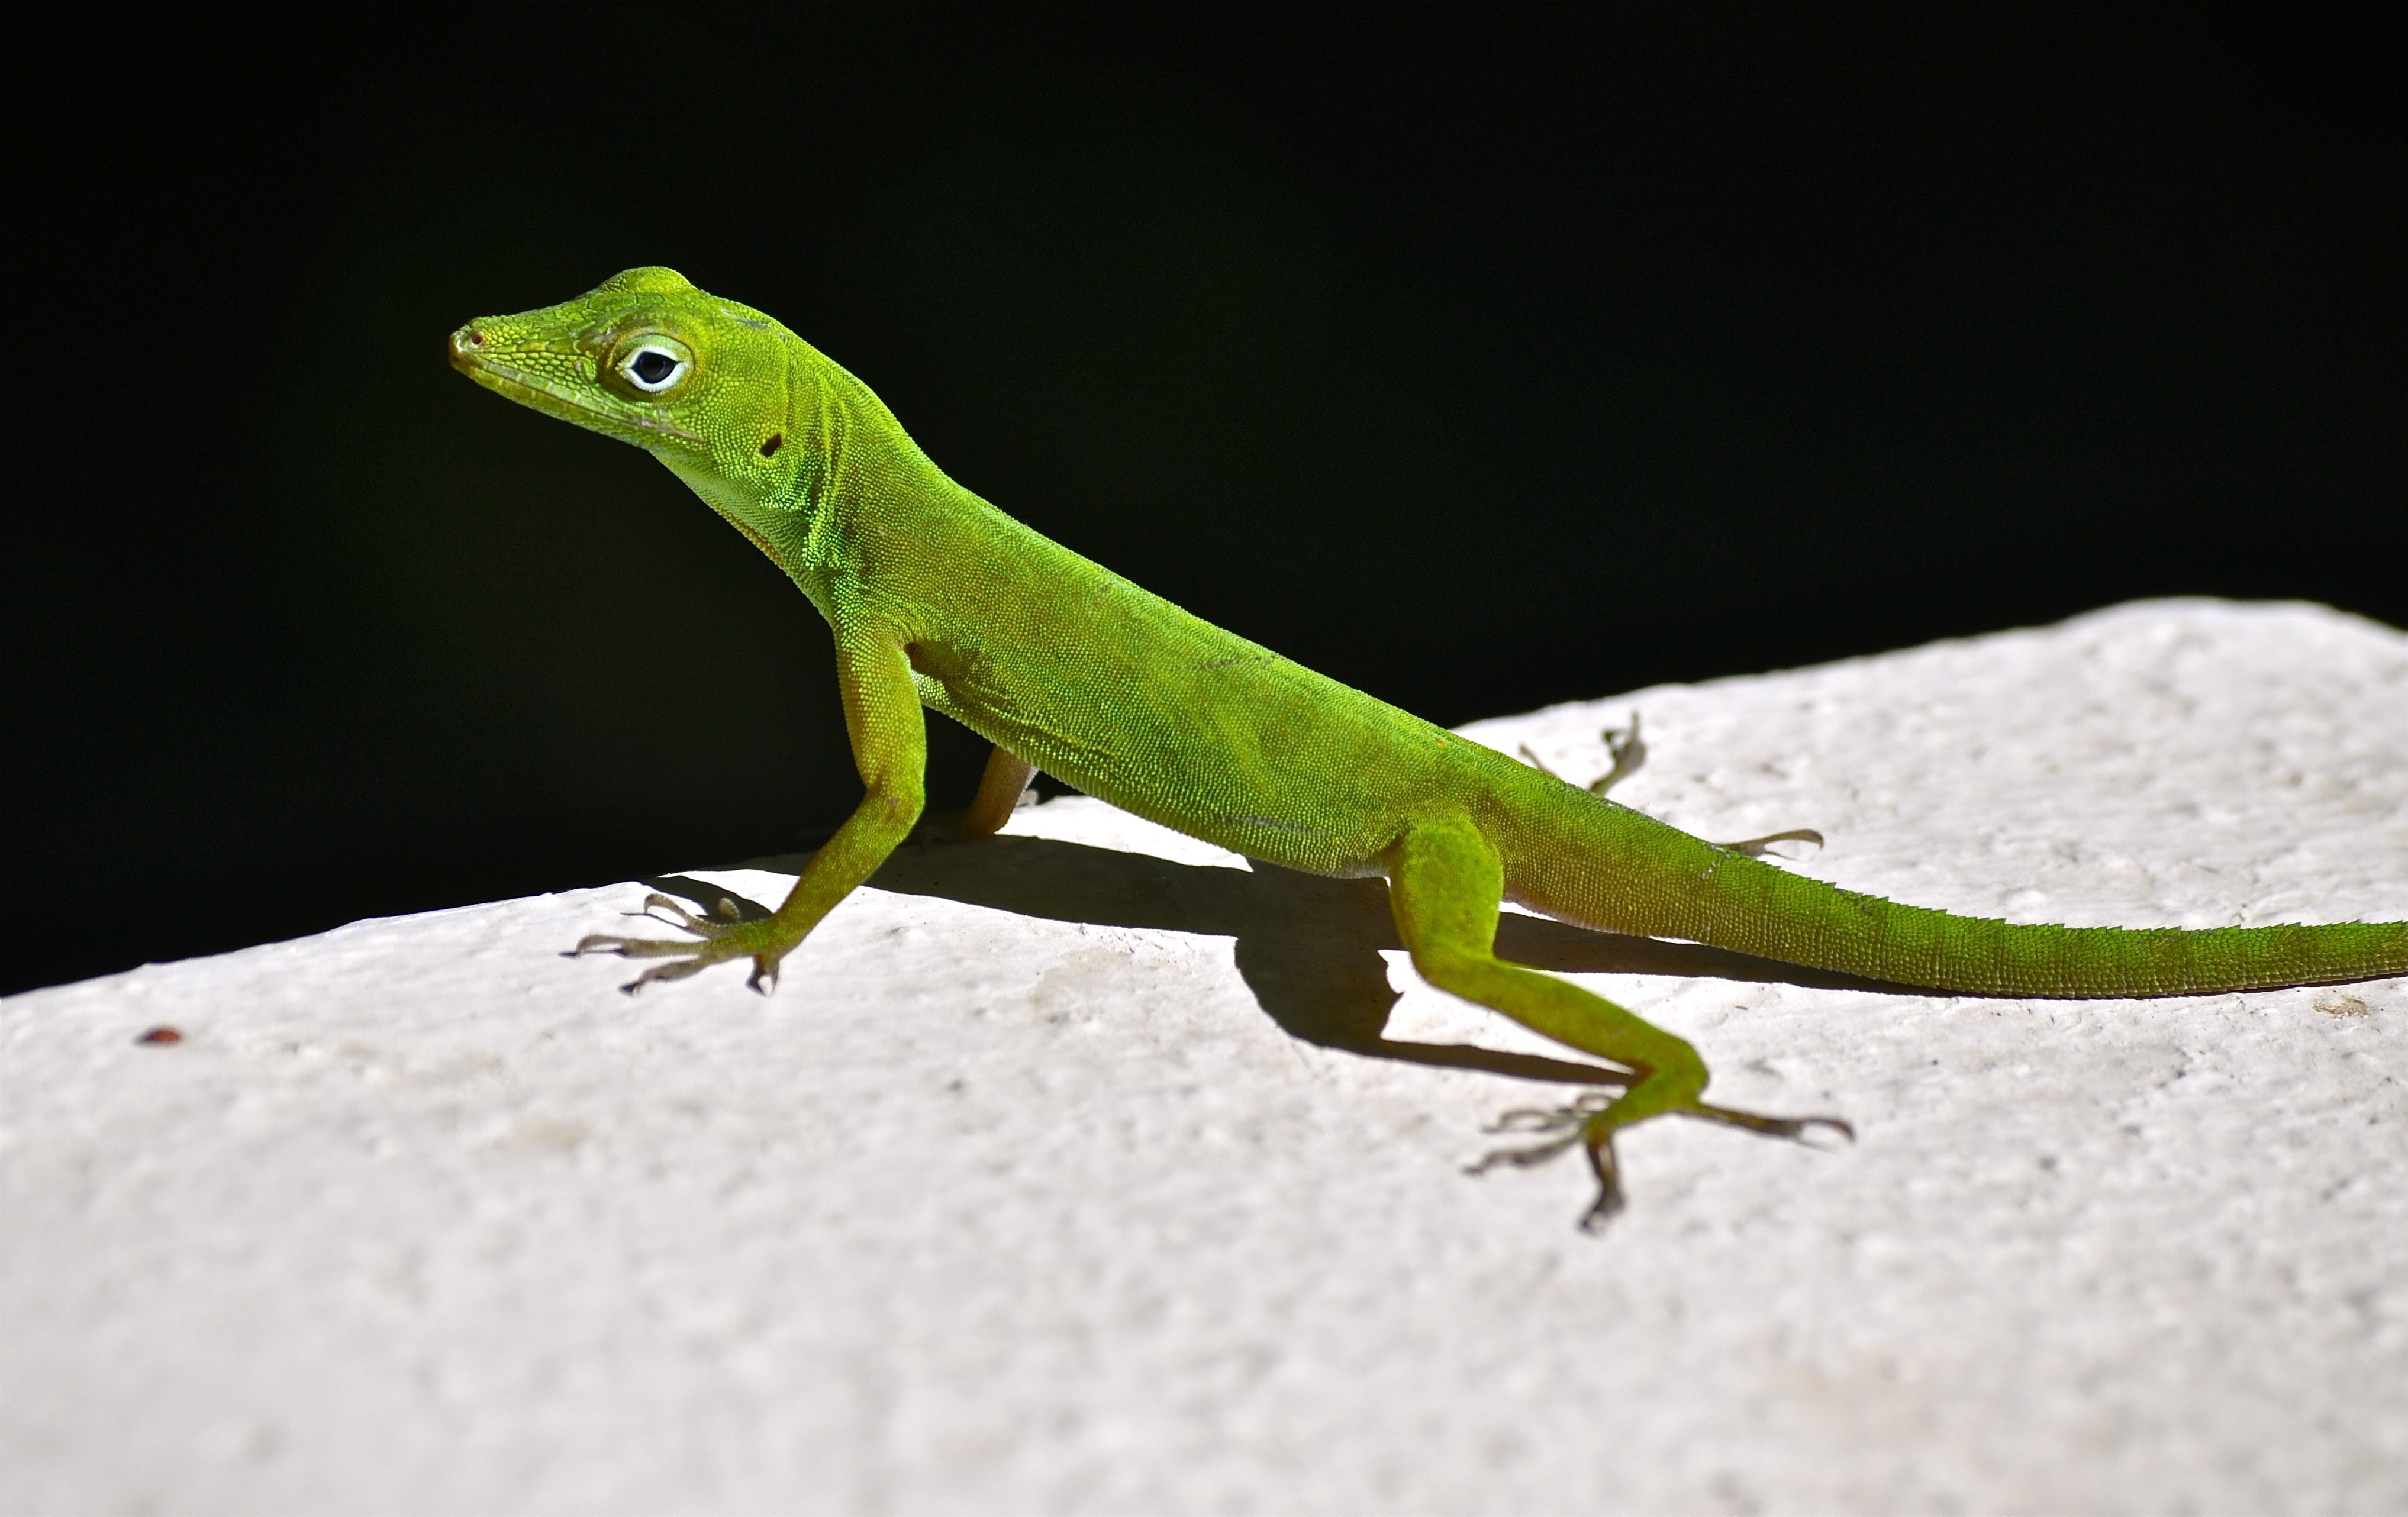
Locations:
{"points": [[770, 449]]}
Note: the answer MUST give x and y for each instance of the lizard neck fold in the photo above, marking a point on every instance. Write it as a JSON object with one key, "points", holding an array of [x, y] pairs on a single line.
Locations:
{"points": [[858, 479]]}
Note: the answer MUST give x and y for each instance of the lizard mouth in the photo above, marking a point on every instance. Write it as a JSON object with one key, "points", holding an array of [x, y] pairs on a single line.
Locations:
{"points": [[534, 390]]}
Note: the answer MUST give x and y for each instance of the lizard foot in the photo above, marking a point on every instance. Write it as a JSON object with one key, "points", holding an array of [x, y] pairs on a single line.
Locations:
{"points": [[1756, 848], [1623, 746], [1559, 1128], [1590, 1122], [1628, 750], [720, 941], [1585, 1123]]}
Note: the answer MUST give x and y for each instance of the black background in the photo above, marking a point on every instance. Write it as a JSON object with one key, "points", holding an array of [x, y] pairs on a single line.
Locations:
{"points": [[1478, 368]]}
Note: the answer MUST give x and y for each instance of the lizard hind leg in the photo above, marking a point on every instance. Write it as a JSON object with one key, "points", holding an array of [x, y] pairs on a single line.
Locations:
{"points": [[1445, 883]]}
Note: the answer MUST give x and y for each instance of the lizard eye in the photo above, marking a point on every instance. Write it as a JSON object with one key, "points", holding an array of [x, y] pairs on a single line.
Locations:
{"points": [[653, 367]]}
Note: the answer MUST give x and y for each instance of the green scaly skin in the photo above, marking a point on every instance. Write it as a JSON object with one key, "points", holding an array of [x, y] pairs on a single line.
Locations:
{"points": [[936, 599]]}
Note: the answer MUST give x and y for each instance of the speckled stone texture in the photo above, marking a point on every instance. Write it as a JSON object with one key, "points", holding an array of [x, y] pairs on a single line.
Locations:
{"points": [[1070, 1171]]}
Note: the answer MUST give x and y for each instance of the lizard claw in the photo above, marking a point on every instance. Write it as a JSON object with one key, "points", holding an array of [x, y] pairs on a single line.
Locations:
{"points": [[1559, 1126], [1567, 1127], [1585, 1123], [674, 969], [1607, 1169], [1793, 1128], [720, 940], [680, 916]]}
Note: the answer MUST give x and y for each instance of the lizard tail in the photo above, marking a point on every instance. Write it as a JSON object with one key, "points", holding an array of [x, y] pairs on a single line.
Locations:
{"points": [[1609, 868]]}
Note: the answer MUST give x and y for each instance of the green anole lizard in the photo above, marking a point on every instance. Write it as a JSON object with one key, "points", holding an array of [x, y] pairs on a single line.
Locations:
{"points": [[936, 599]]}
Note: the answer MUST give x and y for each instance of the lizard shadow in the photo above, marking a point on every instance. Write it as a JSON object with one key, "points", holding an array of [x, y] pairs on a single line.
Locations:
{"points": [[1309, 948]]}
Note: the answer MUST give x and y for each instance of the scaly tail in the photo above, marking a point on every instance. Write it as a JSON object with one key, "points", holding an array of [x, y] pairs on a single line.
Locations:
{"points": [[1607, 866]]}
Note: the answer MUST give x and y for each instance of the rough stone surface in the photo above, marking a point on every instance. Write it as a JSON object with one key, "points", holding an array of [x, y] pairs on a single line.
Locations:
{"points": [[1037, 1187]]}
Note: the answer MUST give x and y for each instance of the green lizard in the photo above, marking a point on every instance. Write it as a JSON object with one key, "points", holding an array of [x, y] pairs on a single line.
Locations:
{"points": [[936, 599]]}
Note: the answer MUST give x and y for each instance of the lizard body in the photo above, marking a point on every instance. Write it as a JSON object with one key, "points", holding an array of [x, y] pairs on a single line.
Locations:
{"points": [[936, 598]]}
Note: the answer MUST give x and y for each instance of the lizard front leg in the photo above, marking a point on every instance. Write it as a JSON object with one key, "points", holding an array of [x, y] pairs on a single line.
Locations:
{"points": [[890, 747]]}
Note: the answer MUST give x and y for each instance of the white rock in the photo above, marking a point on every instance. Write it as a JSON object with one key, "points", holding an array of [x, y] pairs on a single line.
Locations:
{"points": [[1018, 1195]]}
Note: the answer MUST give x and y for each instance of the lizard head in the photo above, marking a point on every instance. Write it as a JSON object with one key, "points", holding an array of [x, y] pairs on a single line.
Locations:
{"points": [[697, 381]]}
